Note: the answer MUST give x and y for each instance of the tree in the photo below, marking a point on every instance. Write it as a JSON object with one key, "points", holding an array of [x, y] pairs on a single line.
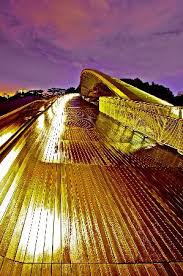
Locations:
{"points": [[157, 90], [178, 100], [70, 90], [78, 89], [3, 99]]}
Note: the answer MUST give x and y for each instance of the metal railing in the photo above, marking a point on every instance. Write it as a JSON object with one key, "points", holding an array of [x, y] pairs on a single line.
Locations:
{"points": [[164, 124]]}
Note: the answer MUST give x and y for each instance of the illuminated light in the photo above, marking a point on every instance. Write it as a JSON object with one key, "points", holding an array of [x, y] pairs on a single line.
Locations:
{"points": [[35, 221], [50, 112], [7, 198], [44, 234], [24, 236], [41, 235], [52, 152], [57, 231], [48, 236], [176, 112], [4, 138], [7, 162], [41, 121], [42, 108], [90, 215], [4, 168]]}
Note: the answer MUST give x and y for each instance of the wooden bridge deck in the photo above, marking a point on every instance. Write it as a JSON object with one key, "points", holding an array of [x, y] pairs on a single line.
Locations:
{"points": [[74, 202]]}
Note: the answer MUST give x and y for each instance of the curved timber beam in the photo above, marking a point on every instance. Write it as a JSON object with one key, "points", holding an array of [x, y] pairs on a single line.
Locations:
{"points": [[94, 83]]}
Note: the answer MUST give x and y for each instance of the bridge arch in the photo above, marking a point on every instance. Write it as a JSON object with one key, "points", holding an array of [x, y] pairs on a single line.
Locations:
{"points": [[134, 108], [91, 80]]}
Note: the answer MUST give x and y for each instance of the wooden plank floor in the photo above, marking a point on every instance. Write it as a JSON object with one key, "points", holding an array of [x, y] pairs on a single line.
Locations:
{"points": [[81, 195]]}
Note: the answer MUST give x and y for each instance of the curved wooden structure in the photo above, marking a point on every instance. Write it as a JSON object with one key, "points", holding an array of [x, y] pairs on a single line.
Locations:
{"points": [[140, 111], [91, 78]]}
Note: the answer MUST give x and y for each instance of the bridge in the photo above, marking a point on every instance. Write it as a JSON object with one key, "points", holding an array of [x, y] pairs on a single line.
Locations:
{"points": [[85, 187], [132, 107]]}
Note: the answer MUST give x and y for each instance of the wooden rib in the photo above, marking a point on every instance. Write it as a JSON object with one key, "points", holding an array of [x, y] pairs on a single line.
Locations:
{"points": [[96, 211]]}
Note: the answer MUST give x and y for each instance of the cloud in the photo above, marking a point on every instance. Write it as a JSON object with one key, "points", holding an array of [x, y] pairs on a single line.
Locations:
{"points": [[169, 32], [72, 24], [56, 39]]}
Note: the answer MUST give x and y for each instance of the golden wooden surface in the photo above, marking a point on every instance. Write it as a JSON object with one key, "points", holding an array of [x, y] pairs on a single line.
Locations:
{"points": [[78, 199], [13, 121]]}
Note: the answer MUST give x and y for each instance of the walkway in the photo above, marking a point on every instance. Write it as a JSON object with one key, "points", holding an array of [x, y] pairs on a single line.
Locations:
{"points": [[80, 195]]}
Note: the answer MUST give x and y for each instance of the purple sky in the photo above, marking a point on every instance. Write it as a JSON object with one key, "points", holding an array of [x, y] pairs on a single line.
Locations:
{"points": [[47, 43]]}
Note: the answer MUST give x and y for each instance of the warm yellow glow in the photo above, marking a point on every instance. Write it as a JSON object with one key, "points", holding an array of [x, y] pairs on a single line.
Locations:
{"points": [[176, 112], [137, 109], [7, 162], [90, 77], [41, 121], [42, 108], [52, 153], [7, 198], [96, 207], [5, 166], [24, 236], [38, 213], [160, 123], [47, 233], [4, 137], [71, 224], [50, 112], [41, 233]]}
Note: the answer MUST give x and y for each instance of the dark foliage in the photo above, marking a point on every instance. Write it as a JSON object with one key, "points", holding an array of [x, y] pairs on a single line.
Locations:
{"points": [[178, 100], [70, 90], [78, 89], [3, 99], [155, 89]]}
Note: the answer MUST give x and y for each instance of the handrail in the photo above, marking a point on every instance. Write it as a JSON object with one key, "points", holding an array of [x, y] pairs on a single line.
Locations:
{"points": [[153, 122]]}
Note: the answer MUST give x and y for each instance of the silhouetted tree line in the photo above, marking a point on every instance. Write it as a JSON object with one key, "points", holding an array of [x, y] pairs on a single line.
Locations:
{"points": [[19, 95], [157, 90], [37, 93]]}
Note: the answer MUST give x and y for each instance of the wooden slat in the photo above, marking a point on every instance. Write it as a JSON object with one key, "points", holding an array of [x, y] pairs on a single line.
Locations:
{"points": [[48, 244], [56, 269], [46, 270], [36, 270], [26, 270], [57, 252], [82, 206], [6, 267], [1, 261], [17, 269]]}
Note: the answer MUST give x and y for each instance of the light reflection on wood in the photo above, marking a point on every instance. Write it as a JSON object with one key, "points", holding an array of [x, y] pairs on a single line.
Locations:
{"points": [[100, 209]]}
